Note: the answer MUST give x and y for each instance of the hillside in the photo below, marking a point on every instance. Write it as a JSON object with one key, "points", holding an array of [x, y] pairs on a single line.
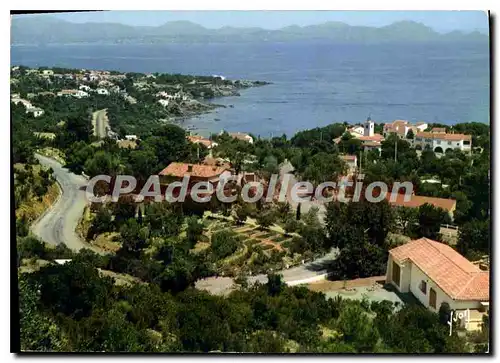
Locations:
{"points": [[40, 30]]}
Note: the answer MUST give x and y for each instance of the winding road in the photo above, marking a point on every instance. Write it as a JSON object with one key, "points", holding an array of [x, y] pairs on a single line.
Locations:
{"points": [[58, 226], [100, 123]]}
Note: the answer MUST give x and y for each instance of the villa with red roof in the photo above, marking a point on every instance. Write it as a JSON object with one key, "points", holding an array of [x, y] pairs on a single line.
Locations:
{"points": [[195, 139], [175, 172], [415, 201], [197, 172], [435, 273]]}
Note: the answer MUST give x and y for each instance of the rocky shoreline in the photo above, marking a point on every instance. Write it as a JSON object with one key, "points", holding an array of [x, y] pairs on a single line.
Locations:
{"points": [[196, 107]]}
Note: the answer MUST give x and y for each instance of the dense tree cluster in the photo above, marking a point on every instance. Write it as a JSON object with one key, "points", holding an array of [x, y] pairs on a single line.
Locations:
{"points": [[359, 231], [71, 307]]}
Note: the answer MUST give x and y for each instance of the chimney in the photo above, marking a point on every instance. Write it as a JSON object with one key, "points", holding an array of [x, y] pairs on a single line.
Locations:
{"points": [[190, 168]]}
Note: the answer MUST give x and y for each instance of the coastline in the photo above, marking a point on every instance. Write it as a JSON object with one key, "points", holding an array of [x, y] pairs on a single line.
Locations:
{"points": [[206, 106]]}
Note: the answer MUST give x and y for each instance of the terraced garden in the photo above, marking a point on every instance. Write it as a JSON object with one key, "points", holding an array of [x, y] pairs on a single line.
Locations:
{"points": [[259, 251]]}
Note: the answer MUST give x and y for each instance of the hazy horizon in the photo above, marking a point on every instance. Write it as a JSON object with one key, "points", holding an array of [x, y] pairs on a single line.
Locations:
{"points": [[441, 21]]}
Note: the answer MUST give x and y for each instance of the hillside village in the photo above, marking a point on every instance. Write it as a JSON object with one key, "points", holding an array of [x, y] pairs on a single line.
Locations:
{"points": [[172, 96]]}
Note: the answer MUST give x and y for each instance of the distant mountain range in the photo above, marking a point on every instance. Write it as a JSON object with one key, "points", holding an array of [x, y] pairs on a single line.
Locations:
{"points": [[43, 30]]}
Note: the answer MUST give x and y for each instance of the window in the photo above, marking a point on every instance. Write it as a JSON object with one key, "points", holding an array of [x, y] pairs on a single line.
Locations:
{"points": [[423, 287], [396, 271], [428, 140], [418, 139], [458, 144], [432, 298], [466, 142], [438, 142], [449, 142]]}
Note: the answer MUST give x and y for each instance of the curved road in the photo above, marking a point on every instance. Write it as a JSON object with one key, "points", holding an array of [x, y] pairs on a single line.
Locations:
{"points": [[58, 224]]}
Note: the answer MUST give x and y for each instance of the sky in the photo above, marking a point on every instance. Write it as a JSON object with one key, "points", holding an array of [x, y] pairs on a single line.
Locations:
{"points": [[442, 21]]}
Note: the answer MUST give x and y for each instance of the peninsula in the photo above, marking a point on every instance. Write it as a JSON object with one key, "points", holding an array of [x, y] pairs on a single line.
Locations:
{"points": [[128, 97]]}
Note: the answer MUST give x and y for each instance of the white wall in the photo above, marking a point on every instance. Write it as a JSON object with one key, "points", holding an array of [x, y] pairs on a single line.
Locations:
{"points": [[445, 144], [308, 280], [434, 143], [405, 278], [417, 276]]}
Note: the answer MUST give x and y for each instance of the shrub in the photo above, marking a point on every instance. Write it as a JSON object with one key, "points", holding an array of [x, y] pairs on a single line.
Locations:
{"points": [[223, 244]]}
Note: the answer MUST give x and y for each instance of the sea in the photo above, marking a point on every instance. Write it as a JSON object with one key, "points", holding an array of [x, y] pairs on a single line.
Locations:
{"points": [[313, 83]]}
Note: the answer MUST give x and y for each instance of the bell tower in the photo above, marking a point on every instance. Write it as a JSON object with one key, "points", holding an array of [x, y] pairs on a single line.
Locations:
{"points": [[369, 127]]}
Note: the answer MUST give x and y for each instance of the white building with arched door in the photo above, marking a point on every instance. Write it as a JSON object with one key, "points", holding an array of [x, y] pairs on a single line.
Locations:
{"points": [[441, 142]]}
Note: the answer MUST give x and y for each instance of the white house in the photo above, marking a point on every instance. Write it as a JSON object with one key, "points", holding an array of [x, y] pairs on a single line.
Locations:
{"points": [[62, 261], [72, 93], [105, 83], [164, 94], [163, 102], [91, 77], [36, 111], [421, 126], [241, 136], [84, 87], [26, 103], [435, 273], [356, 131], [81, 94], [102, 91], [47, 72], [441, 142], [131, 137]]}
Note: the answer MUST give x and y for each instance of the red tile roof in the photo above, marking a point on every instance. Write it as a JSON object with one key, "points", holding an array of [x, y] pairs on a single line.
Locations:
{"points": [[416, 201], [199, 171], [438, 130], [375, 137], [200, 140], [69, 91], [216, 162], [453, 273], [396, 123], [348, 157], [240, 136], [441, 136], [371, 143]]}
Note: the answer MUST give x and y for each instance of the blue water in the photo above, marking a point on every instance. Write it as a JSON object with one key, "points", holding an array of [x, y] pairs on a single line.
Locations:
{"points": [[314, 84]]}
